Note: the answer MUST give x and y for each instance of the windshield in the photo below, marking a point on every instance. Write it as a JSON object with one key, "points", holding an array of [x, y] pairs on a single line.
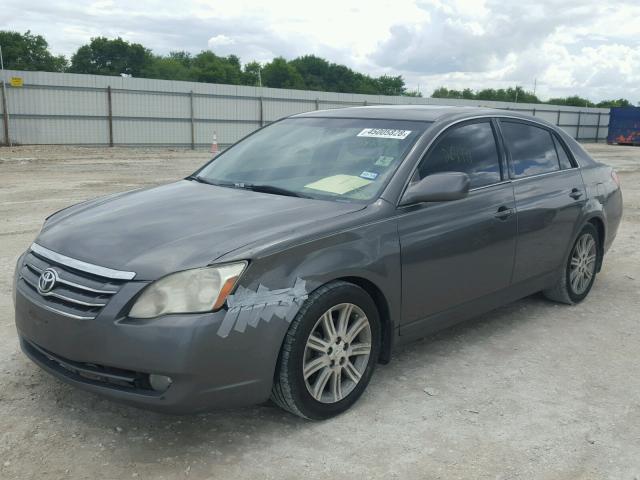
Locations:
{"points": [[326, 158]]}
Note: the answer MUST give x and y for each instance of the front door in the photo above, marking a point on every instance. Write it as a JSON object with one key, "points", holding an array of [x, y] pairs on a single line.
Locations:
{"points": [[457, 251]]}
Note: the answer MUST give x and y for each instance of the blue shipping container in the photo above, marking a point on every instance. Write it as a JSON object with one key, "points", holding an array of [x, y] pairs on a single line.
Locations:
{"points": [[624, 126]]}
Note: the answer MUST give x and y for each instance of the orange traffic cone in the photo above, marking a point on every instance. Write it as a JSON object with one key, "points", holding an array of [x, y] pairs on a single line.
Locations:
{"points": [[214, 145]]}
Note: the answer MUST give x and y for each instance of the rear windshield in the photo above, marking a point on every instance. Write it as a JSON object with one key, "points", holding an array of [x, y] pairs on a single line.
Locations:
{"points": [[326, 158]]}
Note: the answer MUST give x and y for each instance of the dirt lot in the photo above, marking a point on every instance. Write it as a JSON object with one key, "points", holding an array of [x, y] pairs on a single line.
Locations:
{"points": [[533, 390]]}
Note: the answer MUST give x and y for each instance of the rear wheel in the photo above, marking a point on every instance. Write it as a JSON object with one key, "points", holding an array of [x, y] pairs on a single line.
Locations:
{"points": [[580, 271], [329, 352]]}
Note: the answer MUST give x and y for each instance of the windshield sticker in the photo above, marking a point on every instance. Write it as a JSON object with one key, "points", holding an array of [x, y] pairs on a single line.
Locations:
{"points": [[339, 184], [369, 175], [385, 133], [383, 161]]}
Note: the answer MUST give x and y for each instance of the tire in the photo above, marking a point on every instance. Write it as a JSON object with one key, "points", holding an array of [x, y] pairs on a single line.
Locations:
{"points": [[306, 362], [566, 288]]}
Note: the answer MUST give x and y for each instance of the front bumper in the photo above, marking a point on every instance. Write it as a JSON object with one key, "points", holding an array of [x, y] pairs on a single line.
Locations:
{"points": [[208, 371]]}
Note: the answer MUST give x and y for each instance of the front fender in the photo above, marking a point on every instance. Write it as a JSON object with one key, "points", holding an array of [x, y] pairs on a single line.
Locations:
{"points": [[369, 252]]}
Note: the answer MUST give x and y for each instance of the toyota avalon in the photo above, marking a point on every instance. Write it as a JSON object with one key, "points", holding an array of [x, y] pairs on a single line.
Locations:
{"points": [[296, 260]]}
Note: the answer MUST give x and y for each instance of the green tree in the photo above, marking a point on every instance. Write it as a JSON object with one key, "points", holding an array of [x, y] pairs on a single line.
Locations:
{"points": [[252, 74], [502, 95], [365, 84], [315, 71], [620, 102], [468, 94], [211, 68], [440, 92], [341, 78], [443, 92], [281, 74], [520, 95], [487, 94], [572, 101], [175, 66], [510, 94], [183, 57], [319, 74], [389, 85], [111, 57], [25, 51]]}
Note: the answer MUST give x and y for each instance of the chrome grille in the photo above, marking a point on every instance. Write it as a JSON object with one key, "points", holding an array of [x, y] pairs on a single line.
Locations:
{"points": [[76, 293]]}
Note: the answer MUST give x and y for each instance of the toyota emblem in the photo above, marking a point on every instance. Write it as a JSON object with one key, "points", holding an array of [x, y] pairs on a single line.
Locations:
{"points": [[47, 281]]}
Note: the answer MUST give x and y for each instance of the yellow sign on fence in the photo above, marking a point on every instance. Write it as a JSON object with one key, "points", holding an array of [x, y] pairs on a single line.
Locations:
{"points": [[16, 81]]}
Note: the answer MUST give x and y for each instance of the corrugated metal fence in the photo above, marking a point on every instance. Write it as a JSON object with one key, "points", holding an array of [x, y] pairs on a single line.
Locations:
{"points": [[70, 109]]}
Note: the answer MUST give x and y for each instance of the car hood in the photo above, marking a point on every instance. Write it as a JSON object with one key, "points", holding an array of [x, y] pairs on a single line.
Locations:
{"points": [[177, 226]]}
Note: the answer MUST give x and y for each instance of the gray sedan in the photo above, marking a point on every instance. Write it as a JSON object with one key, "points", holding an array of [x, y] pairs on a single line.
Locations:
{"points": [[296, 260]]}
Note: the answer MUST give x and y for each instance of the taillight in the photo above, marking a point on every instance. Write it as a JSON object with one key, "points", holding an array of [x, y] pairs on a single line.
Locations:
{"points": [[615, 177]]}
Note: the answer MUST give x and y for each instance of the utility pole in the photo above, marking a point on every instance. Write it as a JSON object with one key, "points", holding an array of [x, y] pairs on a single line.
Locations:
{"points": [[535, 84], [5, 106], [259, 77]]}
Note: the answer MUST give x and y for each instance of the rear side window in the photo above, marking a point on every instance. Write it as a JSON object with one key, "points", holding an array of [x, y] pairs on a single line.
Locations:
{"points": [[562, 154], [470, 149], [531, 149]]}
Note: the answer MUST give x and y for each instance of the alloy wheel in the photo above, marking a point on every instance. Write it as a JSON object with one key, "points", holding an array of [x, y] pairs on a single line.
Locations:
{"points": [[337, 353], [583, 264]]}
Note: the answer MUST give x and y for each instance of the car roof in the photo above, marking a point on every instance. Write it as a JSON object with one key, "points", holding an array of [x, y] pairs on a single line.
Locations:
{"points": [[442, 115], [426, 113]]}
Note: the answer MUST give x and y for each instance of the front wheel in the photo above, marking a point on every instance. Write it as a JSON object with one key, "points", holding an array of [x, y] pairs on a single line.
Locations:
{"points": [[580, 271], [329, 352]]}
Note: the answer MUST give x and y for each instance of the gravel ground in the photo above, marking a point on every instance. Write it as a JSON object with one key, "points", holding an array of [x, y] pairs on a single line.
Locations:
{"points": [[532, 390]]}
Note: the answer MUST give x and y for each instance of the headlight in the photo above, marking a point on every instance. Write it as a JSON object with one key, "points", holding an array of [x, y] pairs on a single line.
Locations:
{"points": [[190, 291]]}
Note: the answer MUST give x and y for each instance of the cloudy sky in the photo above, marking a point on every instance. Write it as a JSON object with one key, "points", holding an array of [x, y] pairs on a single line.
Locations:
{"points": [[590, 48]]}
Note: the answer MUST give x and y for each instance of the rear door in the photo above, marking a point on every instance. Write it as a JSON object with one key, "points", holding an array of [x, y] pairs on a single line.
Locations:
{"points": [[549, 195], [453, 252]]}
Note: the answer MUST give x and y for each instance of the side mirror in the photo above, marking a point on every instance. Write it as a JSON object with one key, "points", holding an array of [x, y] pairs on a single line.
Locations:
{"points": [[438, 187]]}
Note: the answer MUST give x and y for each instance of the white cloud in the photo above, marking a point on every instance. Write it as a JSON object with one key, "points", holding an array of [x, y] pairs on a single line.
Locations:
{"points": [[586, 47], [220, 40]]}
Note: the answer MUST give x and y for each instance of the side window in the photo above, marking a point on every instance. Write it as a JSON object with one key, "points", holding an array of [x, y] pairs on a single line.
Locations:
{"points": [[469, 148], [531, 148], [562, 154]]}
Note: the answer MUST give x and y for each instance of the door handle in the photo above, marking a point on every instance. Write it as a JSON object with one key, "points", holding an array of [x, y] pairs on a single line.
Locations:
{"points": [[575, 193], [503, 212]]}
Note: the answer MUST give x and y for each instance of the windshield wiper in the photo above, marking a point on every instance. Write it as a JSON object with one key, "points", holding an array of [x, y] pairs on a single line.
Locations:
{"points": [[249, 186], [271, 189], [198, 179]]}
